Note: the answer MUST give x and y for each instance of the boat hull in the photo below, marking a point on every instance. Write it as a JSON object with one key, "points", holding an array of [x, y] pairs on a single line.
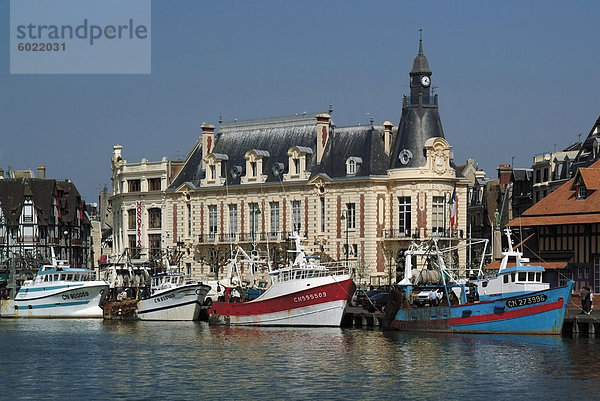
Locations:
{"points": [[541, 312], [180, 303], [321, 305], [63, 301]]}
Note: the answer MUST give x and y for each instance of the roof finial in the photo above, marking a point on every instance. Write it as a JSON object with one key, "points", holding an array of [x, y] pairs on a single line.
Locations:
{"points": [[420, 42]]}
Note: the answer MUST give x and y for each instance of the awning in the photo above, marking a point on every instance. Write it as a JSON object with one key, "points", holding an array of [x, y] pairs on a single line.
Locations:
{"points": [[495, 265]]}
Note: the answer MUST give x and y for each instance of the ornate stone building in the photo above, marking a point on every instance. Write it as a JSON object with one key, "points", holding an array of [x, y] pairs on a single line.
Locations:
{"points": [[359, 194], [137, 205]]}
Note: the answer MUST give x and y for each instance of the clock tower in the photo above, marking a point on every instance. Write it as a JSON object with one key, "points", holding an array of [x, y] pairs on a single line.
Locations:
{"points": [[420, 119], [420, 76]]}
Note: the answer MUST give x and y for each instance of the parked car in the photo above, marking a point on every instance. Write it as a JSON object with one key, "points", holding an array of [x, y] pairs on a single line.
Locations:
{"points": [[378, 302], [364, 299]]}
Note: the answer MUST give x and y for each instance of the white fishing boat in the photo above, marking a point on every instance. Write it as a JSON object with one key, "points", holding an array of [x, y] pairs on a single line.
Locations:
{"points": [[60, 291], [165, 295], [304, 293], [172, 297]]}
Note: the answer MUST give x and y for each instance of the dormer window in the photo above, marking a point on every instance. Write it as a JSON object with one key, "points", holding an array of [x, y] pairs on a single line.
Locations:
{"points": [[581, 192], [214, 169], [297, 161], [254, 166], [28, 210], [352, 165]]}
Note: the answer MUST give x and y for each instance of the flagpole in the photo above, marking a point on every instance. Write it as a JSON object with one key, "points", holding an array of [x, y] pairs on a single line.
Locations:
{"points": [[452, 210]]}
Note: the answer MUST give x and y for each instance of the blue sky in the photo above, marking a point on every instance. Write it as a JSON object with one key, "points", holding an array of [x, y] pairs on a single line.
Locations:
{"points": [[514, 78]]}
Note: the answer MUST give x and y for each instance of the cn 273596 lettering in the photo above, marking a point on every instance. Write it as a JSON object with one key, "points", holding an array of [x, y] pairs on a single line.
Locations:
{"points": [[534, 299]]}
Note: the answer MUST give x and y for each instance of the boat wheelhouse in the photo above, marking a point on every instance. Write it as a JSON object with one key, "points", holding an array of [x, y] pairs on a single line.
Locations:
{"points": [[514, 276]]}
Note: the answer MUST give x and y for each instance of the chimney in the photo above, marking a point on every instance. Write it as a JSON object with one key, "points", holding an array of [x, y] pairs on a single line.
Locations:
{"points": [[208, 140], [41, 172], [387, 137], [504, 173], [323, 131]]}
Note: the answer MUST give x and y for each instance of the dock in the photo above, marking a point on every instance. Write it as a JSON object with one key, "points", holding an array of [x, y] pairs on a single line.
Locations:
{"points": [[581, 324], [357, 316]]}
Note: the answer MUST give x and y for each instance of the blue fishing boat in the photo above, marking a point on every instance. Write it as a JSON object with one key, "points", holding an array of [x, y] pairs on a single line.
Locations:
{"points": [[513, 300]]}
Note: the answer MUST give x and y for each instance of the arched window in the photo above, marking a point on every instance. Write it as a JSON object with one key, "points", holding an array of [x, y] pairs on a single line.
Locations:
{"points": [[352, 165], [154, 218]]}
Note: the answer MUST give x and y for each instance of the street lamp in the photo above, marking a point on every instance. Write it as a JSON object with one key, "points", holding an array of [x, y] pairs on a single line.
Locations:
{"points": [[67, 245], [344, 218]]}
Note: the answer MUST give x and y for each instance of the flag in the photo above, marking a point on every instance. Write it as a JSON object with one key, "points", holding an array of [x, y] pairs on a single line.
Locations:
{"points": [[453, 209]]}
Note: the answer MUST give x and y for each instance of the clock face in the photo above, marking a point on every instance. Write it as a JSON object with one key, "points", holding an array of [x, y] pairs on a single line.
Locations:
{"points": [[425, 81]]}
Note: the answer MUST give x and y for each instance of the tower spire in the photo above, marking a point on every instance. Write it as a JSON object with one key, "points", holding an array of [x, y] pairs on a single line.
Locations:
{"points": [[420, 42]]}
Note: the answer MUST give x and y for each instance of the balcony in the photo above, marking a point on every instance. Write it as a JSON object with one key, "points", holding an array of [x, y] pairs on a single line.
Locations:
{"points": [[396, 233], [270, 236], [430, 100]]}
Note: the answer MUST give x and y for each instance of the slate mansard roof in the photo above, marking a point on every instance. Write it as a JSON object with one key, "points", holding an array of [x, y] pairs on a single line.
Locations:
{"points": [[364, 142], [273, 138]]}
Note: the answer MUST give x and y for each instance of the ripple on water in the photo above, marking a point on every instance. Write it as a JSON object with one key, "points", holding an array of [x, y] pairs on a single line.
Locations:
{"points": [[95, 359]]}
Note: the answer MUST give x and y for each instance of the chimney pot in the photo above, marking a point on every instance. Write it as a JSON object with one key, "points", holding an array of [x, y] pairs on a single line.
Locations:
{"points": [[41, 172]]}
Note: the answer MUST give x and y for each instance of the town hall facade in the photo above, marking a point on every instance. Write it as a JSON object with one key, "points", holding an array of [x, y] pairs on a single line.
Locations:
{"points": [[359, 194]]}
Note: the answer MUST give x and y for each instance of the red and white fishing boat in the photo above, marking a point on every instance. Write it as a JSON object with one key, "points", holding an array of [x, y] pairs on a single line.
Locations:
{"points": [[304, 293]]}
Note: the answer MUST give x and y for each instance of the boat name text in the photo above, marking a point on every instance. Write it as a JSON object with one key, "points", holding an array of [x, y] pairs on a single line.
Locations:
{"points": [[164, 298], [534, 299], [310, 297], [75, 295]]}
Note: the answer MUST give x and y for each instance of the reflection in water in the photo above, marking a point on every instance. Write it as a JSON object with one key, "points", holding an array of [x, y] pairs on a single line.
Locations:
{"points": [[94, 359]]}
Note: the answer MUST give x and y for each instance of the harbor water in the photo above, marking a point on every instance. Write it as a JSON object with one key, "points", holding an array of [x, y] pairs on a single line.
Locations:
{"points": [[135, 360]]}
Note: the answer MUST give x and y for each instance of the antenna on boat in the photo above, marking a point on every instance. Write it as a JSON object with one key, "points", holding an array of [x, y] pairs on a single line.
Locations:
{"points": [[53, 256]]}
